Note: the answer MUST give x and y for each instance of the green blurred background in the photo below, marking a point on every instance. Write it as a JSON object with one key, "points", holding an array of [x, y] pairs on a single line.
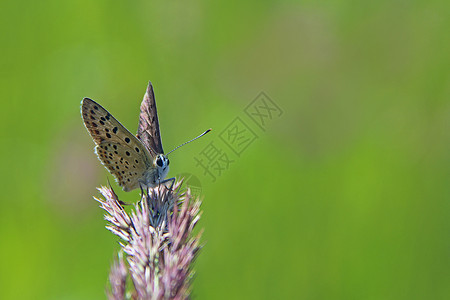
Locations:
{"points": [[344, 196]]}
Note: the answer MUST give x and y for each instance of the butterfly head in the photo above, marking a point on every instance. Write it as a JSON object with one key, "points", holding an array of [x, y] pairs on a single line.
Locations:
{"points": [[161, 162]]}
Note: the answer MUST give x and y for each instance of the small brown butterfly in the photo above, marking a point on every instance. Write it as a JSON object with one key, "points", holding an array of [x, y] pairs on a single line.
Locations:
{"points": [[135, 161]]}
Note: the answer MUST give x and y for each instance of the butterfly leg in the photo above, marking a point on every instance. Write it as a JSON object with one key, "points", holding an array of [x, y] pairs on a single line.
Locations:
{"points": [[142, 191], [167, 180]]}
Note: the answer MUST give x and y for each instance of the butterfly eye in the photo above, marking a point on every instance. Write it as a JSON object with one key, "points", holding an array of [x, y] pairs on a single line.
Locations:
{"points": [[159, 162], [168, 162]]}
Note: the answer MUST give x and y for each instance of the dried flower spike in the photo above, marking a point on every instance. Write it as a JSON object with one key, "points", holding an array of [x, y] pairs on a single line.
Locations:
{"points": [[157, 238]]}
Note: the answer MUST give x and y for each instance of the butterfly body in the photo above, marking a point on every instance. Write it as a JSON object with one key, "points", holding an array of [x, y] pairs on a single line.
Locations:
{"points": [[132, 163]]}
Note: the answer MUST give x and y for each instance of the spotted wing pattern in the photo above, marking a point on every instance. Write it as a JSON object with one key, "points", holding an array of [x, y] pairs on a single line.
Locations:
{"points": [[126, 158], [148, 128]]}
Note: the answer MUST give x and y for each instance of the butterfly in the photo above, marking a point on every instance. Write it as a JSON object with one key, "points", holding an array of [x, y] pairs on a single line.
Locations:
{"points": [[134, 161]]}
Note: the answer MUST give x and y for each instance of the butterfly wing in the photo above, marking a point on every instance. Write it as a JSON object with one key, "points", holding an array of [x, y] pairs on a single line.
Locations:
{"points": [[148, 128], [119, 151], [127, 167]]}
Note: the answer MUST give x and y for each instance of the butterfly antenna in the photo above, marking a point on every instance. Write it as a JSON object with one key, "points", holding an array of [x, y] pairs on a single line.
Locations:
{"points": [[190, 141]]}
